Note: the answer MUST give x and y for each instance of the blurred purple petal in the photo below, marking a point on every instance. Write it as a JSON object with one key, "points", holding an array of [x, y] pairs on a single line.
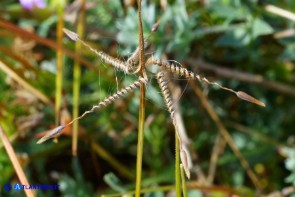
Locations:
{"points": [[30, 4]]}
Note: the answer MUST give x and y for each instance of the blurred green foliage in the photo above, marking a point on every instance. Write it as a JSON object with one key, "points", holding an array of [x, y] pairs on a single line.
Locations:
{"points": [[239, 35]]}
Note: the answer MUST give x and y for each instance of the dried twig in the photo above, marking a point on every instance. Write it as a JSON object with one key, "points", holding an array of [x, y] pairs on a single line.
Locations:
{"points": [[217, 150], [225, 134], [242, 76], [9, 71], [13, 158], [280, 12]]}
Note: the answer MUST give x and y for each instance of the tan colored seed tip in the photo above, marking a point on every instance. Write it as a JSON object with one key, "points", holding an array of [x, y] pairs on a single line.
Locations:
{"points": [[72, 35], [247, 97], [183, 158], [50, 134], [155, 26]]}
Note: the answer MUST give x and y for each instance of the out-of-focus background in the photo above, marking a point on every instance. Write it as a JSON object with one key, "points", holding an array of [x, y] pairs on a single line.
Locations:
{"points": [[243, 45]]}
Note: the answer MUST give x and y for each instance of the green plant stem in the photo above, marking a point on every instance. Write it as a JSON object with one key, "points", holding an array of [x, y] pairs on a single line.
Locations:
{"points": [[77, 79], [140, 141], [177, 167], [59, 64], [141, 107], [194, 185], [184, 190]]}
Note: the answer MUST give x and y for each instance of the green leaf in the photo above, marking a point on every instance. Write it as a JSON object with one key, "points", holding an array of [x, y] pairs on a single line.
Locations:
{"points": [[288, 53], [113, 181], [229, 12], [58, 3], [290, 179], [154, 194], [261, 27], [237, 38], [194, 193]]}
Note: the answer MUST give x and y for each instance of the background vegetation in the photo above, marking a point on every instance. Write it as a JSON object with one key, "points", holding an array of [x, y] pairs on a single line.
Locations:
{"points": [[243, 45]]}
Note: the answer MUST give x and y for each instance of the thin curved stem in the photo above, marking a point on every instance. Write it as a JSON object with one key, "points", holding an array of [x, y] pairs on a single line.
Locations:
{"points": [[141, 106]]}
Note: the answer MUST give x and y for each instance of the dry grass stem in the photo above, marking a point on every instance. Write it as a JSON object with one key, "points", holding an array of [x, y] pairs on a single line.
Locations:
{"points": [[10, 72], [281, 12], [285, 33], [13, 158], [119, 166], [49, 43], [218, 148], [225, 134], [242, 76], [134, 58]]}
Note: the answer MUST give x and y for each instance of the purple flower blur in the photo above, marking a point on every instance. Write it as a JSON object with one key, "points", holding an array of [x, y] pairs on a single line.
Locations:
{"points": [[30, 4]]}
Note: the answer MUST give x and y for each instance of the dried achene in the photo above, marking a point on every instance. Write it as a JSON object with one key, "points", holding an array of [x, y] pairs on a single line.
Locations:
{"points": [[247, 97]]}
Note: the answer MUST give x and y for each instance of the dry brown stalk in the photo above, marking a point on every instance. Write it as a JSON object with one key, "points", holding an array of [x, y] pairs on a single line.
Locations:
{"points": [[134, 58], [280, 12], [225, 134], [13, 158], [241, 76], [10, 72], [218, 148]]}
